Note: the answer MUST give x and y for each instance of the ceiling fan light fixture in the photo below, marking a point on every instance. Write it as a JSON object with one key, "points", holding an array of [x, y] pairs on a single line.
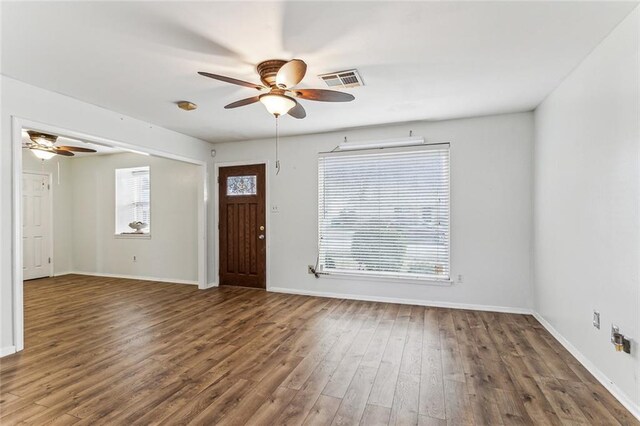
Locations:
{"points": [[277, 104], [43, 154]]}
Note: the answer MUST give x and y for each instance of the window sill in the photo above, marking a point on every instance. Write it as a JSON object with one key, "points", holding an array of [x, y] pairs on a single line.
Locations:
{"points": [[132, 236], [387, 279]]}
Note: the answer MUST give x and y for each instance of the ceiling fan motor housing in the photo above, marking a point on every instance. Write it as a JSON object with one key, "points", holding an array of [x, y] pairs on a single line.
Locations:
{"points": [[268, 70], [37, 137]]}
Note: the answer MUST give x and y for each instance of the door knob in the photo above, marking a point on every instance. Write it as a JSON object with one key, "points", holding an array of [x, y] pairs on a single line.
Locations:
{"points": [[261, 237]]}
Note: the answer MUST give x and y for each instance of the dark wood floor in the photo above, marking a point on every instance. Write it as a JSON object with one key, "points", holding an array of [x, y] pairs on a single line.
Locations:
{"points": [[123, 352]]}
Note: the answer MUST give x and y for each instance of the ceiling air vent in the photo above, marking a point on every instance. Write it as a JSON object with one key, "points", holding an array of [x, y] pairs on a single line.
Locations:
{"points": [[349, 78]]}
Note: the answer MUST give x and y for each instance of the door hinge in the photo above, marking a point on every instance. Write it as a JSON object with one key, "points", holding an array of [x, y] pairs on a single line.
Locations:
{"points": [[218, 225], [49, 260], [218, 179], [48, 186]]}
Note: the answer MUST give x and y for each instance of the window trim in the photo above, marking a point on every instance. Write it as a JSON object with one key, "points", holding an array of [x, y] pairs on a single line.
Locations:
{"points": [[342, 275], [431, 281], [130, 235]]}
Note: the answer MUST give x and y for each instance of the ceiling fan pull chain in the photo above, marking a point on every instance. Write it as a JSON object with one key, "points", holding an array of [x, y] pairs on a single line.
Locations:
{"points": [[277, 140]]}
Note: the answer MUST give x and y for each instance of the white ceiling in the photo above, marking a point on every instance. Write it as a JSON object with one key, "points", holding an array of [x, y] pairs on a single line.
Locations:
{"points": [[419, 60]]}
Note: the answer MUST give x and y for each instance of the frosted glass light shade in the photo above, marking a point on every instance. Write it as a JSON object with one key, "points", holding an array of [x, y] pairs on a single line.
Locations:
{"points": [[277, 104], [42, 154]]}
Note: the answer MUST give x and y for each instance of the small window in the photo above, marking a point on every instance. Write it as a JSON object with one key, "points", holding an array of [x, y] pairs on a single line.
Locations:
{"points": [[385, 213], [241, 185], [133, 201]]}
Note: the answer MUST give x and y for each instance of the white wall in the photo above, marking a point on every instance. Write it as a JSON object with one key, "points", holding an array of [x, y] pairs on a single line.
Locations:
{"points": [[587, 232], [172, 251], [28, 102], [62, 199], [490, 216]]}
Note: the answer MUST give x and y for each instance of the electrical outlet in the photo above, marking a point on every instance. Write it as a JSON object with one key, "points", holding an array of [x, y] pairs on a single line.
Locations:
{"points": [[134, 259], [275, 209], [460, 278], [596, 319]]}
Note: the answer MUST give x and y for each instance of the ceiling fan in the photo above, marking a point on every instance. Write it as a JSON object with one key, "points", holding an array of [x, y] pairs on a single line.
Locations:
{"points": [[43, 146], [279, 78]]}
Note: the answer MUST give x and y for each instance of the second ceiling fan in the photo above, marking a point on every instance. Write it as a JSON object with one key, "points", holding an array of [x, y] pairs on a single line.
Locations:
{"points": [[279, 78], [44, 146]]}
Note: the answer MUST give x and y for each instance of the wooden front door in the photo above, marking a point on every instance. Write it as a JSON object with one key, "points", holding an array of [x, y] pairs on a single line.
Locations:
{"points": [[243, 246]]}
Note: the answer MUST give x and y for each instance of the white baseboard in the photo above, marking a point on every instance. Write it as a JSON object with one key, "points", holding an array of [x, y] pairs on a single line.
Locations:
{"points": [[7, 351], [133, 277], [418, 302], [209, 285], [624, 399]]}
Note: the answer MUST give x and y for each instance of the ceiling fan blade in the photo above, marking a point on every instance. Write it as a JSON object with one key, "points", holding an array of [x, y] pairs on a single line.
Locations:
{"points": [[63, 152], [323, 95], [291, 74], [232, 80], [74, 148], [298, 111], [242, 102]]}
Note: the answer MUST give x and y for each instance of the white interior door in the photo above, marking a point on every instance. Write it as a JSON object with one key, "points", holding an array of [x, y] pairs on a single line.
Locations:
{"points": [[36, 221]]}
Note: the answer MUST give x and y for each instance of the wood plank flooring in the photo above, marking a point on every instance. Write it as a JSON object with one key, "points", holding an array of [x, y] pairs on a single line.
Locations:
{"points": [[125, 352]]}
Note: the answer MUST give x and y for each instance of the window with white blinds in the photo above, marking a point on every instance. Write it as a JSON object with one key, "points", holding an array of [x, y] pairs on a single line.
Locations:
{"points": [[133, 201], [385, 212]]}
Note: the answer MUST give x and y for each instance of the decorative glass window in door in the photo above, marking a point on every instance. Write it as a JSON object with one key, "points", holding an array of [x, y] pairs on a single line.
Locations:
{"points": [[241, 185]]}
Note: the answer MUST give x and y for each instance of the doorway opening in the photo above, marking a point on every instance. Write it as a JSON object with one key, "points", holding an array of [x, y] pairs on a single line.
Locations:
{"points": [[34, 246]]}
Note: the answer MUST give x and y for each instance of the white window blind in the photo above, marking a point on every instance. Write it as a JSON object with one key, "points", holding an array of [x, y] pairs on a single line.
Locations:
{"points": [[133, 201], [385, 212]]}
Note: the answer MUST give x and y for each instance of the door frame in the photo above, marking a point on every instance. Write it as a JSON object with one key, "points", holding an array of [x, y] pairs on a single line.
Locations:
{"points": [[17, 124], [216, 216], [51, 242]]}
